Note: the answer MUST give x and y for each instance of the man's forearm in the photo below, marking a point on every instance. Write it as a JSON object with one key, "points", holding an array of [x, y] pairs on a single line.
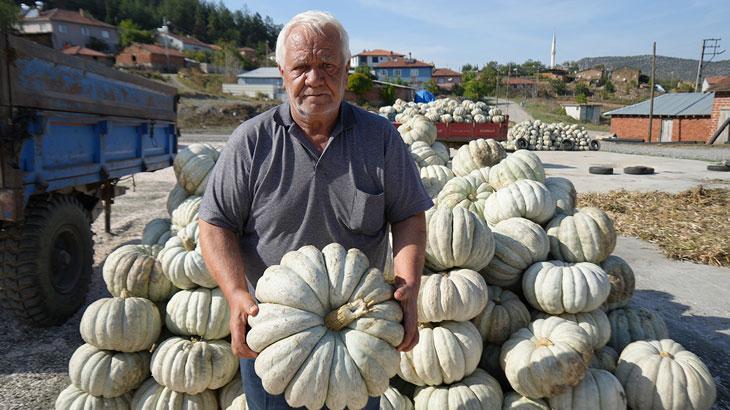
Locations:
{"points": [[409, 248], [222, 255]]}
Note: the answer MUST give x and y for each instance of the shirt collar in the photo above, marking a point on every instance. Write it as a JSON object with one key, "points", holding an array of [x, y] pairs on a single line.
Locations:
{"points": [[345, 120]]}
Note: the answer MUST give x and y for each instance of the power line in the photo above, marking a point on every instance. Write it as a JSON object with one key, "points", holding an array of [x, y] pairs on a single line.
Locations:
{"points": [[710, 47]]}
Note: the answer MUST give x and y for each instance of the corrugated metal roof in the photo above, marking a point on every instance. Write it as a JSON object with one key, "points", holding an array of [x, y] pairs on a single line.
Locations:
{"points": [[671, 105], [262, 72]]}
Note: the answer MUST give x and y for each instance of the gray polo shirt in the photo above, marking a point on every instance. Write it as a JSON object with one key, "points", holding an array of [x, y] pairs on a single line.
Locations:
{"points": [[275, 190]]}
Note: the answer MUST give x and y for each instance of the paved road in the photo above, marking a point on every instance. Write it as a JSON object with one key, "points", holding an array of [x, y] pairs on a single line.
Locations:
{"points": [[515, 111]]}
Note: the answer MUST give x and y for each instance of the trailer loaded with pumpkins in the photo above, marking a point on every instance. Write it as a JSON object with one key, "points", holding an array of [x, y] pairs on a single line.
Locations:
{"points": [[70, 129]]}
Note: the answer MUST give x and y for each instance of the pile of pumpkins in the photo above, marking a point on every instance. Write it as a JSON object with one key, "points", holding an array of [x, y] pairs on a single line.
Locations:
{"points": [[444, 110], [541, 136]]}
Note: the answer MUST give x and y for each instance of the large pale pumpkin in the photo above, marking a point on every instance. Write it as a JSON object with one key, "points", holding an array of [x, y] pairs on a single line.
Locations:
{"points": [[73, 398], [193, 366], [457, 238], [515, 401], [521, 164], [153, 396], [326, 330], [175, 197], [595, 323], [556, 287], [466, 192], [157, 231], [661, 374], [124, 324], [599, 390], [587, 235], [442, 151], [424, 155], [458, 294], [418, 128], [564, 193], [477, 154], [200, 312], [193, 165], [524, 198], [479, 390], [481, 173], [231, 396], [622, 279], [504, 314], [629, 324], [135, 268], [604, 358], [546, 358], [107, 373], [445, 353], [434, 177], [182, 262], [185, 213], [392, 399], [519, 243]]}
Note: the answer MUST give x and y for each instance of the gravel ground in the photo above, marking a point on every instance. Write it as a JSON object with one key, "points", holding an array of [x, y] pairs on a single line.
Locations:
{"points": [[689, 151]]}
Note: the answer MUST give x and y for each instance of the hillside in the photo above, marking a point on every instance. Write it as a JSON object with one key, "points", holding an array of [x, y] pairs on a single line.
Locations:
{"points": [[666, 67]]}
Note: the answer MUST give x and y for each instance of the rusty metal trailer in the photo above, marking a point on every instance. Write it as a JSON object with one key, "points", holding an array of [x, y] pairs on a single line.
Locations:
{"points": [[457, 133]]}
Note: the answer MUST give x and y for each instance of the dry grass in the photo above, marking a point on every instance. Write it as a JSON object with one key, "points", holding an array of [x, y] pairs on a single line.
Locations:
{"points": [[692, 225]]}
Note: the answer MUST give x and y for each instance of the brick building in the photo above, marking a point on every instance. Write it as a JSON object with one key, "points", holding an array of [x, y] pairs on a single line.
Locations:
{"points": [[678, 117], [68, 28], [721, 109], [446, 78], [89, 54], [151, 56], [626, 76]]}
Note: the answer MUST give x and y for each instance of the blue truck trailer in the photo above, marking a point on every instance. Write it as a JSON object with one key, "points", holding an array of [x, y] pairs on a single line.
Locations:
{"points": [[70, 128]]}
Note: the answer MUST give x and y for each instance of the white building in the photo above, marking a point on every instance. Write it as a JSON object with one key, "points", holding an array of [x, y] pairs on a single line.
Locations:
{"points": [[180, 42], [261, 81], [584, 112], [68, 28]]}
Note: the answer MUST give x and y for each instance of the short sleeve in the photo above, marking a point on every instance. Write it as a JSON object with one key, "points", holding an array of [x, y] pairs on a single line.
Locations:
{"points": [[405, 195], [226, 202]]}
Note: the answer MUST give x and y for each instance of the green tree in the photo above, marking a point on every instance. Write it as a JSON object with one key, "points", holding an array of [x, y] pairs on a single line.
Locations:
{"points": [[387, 94], [130, 32], [531, 67], [582, 89], [557, 85], [359, 84], [609, 87], [8, 15], [457, 90], [363, 69], [469, 67], [432, 87]]}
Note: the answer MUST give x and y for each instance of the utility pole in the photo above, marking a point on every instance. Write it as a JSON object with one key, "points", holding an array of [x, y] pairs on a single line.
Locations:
{"points": [[710, 47], [651, 99], [509, 68]]}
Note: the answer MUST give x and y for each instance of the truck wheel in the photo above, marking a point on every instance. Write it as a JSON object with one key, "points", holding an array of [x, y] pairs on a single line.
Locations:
{"points": [[46, 261]]}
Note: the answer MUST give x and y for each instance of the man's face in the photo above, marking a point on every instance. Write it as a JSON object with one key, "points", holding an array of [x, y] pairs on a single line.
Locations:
{"points": [[315, 75]]}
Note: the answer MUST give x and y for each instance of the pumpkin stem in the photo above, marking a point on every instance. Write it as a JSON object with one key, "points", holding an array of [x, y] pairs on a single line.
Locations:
{"points": [[544, 342], [124, 293], [188, 242], [344, 315], [666, 354]]}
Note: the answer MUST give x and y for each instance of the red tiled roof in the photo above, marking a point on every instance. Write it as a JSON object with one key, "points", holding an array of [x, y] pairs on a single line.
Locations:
{"points": [[69, 17], [380, 52], [404, 63], [190, 40], [155, 49], [722, 85], [519, 81], [714, 79], [83, 51], [445, 72]]}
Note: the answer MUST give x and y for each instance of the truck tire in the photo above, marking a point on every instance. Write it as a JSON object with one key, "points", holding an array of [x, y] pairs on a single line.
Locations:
{"points": [[600, 170], [521, 143], [567, 145], [46, 261]]}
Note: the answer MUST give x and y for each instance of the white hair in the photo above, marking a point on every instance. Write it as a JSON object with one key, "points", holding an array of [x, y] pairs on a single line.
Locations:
{"points": [[314, 21]]}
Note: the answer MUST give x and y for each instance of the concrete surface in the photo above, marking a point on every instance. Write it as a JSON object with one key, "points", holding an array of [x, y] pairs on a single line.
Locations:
{"points": [[699, 151]]}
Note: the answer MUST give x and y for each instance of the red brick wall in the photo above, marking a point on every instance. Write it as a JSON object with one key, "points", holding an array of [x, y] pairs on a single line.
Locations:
{"points": [[722, 101], [683, 129], [146, 59], [373, 95], [691, 129]]}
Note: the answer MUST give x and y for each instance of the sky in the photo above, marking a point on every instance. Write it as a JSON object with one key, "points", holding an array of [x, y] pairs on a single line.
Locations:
{"points": [[453, 33]]}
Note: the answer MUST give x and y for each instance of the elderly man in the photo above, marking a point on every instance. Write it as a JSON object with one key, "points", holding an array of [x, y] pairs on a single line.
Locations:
{"points": [[312, 171]]}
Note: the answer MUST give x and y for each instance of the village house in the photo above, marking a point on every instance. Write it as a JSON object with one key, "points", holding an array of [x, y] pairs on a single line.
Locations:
{"points": [[446, 78], [68, 28], [151, 56], [519, 83], [409, 70], [180, 42], [714, 80], [89, 54], [266, 81], [720, 110], [371, 58], [590, 76]]}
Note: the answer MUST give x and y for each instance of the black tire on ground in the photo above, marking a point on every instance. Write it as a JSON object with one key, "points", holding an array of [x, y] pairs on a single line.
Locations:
{"points": [[567, 145], [594, 145], [46, 261], [722, 167], [639, 170], [598, 170], [521, 143]]}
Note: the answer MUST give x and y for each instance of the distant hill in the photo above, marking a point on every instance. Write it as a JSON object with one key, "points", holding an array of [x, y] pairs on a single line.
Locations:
{"points": [[667, 68]]}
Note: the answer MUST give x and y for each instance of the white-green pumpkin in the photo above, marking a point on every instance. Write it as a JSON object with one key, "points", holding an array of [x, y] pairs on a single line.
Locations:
{"points": [[458, 294], [424, 155], [524, 198], [503, 315], [446, 352], [392, 399], [521, 164], [442, 151], [231, 396], [182, 261], [198, 312], [515, 401], [434, 177], [135, 268], [457, 238], [175, 197], [519, 243], [418, 128], [661, 374], [185, 213], [193, 165], [326, 330], [481, 173], [564, 193], [599, 390], [157, 231], [73, 398], [107, 373], [153, 396], [630, 323], [477, 154], [466, 192], [622, 279], [479, 390], [557, 287], [587, 235], [595, 323]]}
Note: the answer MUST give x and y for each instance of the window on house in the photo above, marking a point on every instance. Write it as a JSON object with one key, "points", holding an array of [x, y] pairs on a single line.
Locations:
{"points": [[396, 72], [84, 30], [62, 28], [104, 34], [375, 59], [414, 72]]}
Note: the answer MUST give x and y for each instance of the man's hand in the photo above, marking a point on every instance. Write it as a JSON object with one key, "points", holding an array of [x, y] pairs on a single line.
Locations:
{"points": [[242, 306], [407, 295]]}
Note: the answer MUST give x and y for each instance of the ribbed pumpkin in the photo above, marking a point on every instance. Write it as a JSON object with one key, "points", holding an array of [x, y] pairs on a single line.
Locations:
{"points": [[519, 243], [107, 373], [135, 268], [629, 324], [157, 231], [199, 312], [418, 128], [524, 198], [459, 295], [182, 262], [465, 192], [477, 154], [521, 164], [176, 196], [599, 390], [457, 238], [481, 173], [207, 364], [424, 155], [585, 236], [185, 213], [434, 177], [479, 390], [515, 401], [73, 398], [326, 330], [441, 150], [556, 287], [604, 358], [622, 279], [595, 323], [152, 396], [392, 399], [546, 358], [231, 396], [504, 314], [124, 324], [193, 165], [661, 374], [564, 193]]}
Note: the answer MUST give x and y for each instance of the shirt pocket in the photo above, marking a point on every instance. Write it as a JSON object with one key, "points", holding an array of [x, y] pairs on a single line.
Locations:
{"points": [[367, 213]]}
